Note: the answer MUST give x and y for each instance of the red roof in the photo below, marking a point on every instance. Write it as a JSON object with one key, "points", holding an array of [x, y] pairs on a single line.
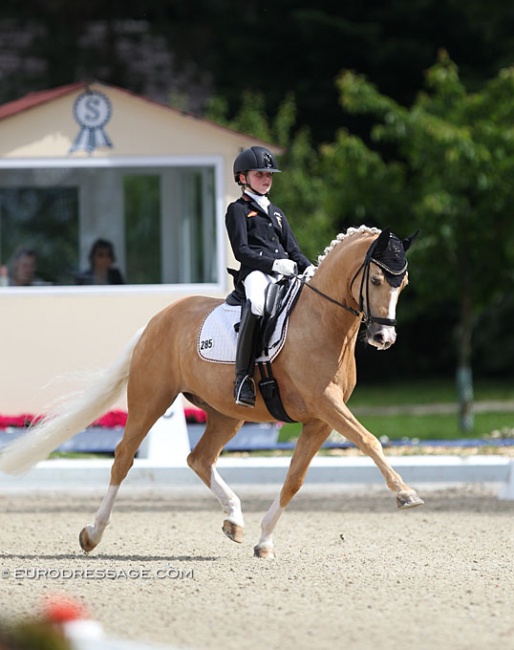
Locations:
{"points": [[37, 98]]}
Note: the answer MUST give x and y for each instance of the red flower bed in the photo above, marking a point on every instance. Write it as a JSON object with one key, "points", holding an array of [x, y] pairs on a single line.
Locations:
{"points": [[195, 416], [110, 420]]}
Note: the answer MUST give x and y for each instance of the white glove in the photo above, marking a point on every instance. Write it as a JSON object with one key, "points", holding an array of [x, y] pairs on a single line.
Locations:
{"points": [[285, 267], [309, 272]]}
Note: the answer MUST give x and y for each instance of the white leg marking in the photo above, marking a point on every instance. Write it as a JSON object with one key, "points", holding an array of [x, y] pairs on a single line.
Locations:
{"points": [[230, 502], [103, 516], [269, 522]]}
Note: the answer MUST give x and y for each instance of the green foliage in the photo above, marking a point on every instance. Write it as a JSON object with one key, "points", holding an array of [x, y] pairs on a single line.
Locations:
{"points": [[444, 166], [436, 426], [301, 193], [452, 157], [32, 635], [252, 118], [363, 188], [434, 395]]}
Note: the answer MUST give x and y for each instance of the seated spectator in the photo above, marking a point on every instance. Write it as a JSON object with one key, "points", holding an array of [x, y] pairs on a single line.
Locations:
{"points": [[101, 270], [23, 268]]}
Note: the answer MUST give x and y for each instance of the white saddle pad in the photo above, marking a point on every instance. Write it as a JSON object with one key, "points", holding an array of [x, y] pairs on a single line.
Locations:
{"points": [[218, 338]]}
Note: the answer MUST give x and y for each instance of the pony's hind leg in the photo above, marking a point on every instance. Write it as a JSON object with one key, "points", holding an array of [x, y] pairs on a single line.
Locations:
{"points": [[91, 535], [202, 460], [135, 430], [312, 437]]}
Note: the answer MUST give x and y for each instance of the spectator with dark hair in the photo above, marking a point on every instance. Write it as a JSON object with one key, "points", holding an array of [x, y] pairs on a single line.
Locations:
{"points": [[101, 269], [23, 268]]}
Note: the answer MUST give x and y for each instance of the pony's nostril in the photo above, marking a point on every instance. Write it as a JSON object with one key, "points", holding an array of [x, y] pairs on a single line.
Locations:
{"points": [[382, 341]]}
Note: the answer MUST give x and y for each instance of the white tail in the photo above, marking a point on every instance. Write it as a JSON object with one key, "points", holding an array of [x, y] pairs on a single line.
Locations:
{"points": [[74, 413]]}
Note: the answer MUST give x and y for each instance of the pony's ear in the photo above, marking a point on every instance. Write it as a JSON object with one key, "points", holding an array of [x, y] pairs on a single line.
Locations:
{"points": [[408, 241], [382, 242]]}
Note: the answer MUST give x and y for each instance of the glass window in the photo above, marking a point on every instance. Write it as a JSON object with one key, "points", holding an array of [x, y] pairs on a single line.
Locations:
{"points": [[142, 200], [160, 221], [45, 221]]}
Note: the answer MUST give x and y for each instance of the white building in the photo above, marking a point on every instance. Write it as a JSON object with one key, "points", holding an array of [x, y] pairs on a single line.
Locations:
{"points": [[82, 162]]}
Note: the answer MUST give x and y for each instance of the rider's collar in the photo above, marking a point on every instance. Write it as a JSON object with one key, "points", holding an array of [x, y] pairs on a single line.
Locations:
{"points": [[261, 200]]}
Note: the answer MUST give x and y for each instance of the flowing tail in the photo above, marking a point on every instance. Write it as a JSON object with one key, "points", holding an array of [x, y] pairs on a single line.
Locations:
{"points": [[74, 413]]}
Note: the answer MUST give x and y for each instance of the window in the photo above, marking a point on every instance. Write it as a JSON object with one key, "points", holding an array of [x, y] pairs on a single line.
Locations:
{"points": [[142, 201], [161, 220], [44, 220]]}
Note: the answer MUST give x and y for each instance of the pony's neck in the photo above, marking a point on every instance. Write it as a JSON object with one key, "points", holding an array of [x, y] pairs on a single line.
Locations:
{"points": [[340, 262]]}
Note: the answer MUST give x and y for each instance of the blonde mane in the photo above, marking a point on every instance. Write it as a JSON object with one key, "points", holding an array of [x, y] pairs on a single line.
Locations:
{"points": [[343, 235]]}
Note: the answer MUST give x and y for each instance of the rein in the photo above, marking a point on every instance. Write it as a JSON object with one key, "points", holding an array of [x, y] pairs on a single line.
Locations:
{"points": [[367, 319], [332, 300]]}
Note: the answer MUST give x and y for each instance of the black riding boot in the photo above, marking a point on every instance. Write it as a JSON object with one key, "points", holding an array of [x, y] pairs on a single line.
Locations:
{"points": [[244, 390]]}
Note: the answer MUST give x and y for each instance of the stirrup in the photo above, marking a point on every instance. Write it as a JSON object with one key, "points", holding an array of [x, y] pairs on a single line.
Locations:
{"points": [[244, 392]]}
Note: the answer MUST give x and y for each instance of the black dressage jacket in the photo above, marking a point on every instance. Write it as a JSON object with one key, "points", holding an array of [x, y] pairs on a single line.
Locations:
{"points": [[259, 238]]}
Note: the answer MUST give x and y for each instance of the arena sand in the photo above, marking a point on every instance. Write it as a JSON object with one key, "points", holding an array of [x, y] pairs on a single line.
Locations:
{"points": [[351, 571]]}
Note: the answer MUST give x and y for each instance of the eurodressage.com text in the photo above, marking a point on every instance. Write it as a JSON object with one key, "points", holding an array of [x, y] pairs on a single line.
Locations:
{"points": [[97, 573]]}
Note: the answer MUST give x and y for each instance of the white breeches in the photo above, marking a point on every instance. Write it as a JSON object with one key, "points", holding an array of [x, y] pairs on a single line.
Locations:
{"points": [[256, 284]]}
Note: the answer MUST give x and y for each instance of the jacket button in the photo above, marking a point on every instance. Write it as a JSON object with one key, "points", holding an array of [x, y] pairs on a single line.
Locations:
{"points": [[276, 250]]}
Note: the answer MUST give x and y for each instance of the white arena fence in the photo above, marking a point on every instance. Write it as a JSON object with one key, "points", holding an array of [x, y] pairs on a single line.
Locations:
{"points": [[161, 462]]}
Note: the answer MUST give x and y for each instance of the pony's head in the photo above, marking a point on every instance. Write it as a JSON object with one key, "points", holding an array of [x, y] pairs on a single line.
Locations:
{"points": [[377, 284]]}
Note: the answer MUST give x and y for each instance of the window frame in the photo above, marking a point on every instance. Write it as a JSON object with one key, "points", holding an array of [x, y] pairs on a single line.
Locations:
{"points": [[148, 162]]}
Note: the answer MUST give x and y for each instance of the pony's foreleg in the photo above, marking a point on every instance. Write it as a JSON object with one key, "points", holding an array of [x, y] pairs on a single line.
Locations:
{"points": [[312, 437], [342, 420], [202, 460]]}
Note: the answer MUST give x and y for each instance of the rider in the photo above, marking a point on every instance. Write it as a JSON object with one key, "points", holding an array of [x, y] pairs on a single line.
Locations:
{"points": [[264, 244]]}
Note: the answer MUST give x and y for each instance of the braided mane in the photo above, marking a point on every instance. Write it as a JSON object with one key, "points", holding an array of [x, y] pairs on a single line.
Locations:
{"points": [[343, 235]]}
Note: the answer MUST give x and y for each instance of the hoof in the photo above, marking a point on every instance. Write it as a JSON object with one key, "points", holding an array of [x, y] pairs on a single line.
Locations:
{"points": [[233, 531], [85, 543], [406, 500], [266, 553]]}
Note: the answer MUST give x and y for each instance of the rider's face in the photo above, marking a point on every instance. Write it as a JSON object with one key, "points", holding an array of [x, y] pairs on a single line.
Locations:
{"points": [[260, 181]]}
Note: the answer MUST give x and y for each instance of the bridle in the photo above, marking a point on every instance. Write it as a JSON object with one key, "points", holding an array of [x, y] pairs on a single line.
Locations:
{"points": [[366, 318]]}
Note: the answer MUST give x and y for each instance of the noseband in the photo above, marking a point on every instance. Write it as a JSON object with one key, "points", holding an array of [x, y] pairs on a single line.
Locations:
{"points": [[366, 318]]}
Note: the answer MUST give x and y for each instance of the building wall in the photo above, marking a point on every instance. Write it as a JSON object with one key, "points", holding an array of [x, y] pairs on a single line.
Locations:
{"points": [[44, 336]]}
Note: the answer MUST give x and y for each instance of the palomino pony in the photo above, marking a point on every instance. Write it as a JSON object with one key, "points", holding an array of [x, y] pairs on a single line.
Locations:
{"points": [[359, 278]]}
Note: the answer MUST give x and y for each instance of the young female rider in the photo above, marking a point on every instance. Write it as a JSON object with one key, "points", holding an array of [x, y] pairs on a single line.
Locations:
{"points": [[264, 244]]}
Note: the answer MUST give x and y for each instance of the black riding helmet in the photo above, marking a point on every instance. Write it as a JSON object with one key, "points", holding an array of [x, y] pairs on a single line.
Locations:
{"points": [[254, 159]]}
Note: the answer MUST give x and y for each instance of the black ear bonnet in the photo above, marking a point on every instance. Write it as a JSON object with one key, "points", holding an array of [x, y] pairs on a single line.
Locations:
{"points": [[388, 252]]}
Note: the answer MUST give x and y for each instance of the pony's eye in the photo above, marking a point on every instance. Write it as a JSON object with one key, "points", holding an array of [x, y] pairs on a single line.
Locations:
{"points": [[376, 281]]}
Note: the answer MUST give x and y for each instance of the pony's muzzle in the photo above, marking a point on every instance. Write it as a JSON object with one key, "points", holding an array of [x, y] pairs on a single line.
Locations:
{"points": [[381, 337]]}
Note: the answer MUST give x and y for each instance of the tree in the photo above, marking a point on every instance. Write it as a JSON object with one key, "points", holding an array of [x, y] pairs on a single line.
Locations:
{"points": [[190, 50], [450, 161]]}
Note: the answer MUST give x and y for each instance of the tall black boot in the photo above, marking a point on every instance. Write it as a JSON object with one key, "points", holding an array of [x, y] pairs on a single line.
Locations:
{"points": [[244, 390]]}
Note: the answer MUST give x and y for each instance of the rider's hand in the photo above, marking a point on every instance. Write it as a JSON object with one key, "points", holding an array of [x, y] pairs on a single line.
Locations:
{"points": [[285, 267], [309, 272]]}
